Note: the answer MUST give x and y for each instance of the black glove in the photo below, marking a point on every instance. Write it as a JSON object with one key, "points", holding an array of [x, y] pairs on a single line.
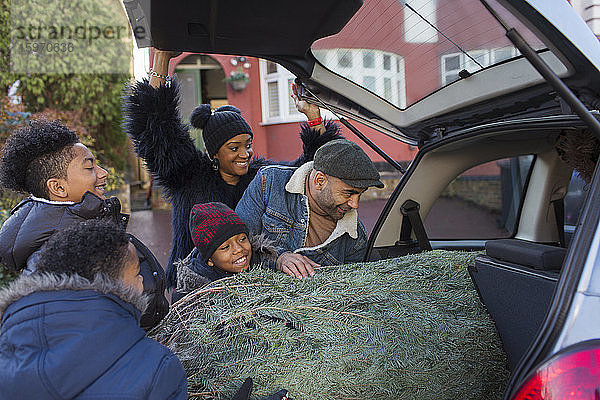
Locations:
{"points": [[281, 395], [244, 392]]}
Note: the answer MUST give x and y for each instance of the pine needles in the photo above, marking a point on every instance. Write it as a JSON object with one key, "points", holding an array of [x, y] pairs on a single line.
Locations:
{"points": [[406, 328]]}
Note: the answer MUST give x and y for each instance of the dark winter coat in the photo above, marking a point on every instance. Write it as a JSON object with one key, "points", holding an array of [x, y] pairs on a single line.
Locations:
{"points": [[193, 273], [34, 220], [185, 173], [66, 338]]}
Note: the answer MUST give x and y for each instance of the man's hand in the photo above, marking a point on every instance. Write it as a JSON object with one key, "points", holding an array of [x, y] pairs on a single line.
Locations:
{"points": [[296, 265]]}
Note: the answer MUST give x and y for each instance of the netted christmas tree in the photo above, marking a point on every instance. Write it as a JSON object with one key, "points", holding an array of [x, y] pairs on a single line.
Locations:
{"points": [[406, 328]]}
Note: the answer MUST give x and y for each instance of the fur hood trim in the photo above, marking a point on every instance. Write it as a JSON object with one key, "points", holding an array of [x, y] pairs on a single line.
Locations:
{"points": [[264, 249], [46, 282]]}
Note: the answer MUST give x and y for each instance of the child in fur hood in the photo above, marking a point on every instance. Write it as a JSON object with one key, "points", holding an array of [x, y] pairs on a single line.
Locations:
{"points": [[71, 329], [46, 160], [223, 247]]}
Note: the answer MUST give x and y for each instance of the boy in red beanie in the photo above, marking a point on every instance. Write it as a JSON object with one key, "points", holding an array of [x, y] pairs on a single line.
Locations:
{"points": [[223, 247]]}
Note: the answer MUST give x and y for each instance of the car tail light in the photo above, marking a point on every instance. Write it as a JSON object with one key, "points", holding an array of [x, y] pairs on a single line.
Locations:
{"points": [[573, 375]]}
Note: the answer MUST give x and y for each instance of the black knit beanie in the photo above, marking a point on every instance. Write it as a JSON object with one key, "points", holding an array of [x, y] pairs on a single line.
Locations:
{"points": [[211, 224], [218, 127]]}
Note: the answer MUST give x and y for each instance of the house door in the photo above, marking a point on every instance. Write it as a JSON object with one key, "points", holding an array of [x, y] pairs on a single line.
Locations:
{"points": [[201, 79]]}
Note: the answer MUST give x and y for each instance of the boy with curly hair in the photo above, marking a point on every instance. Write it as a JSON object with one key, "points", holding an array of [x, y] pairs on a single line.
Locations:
{"points": [[70, 329], [46, 160]]}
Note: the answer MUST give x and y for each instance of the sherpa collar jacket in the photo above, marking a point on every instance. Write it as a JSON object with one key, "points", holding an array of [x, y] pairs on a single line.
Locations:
{"points": [[64, 337], [275, 205], [185, 174]]}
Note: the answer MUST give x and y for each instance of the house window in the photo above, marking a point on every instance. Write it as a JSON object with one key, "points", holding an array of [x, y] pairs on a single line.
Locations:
{"points": [[276, 89], [344, 60], [387, 62], [369, 83], [368, 60], [380, 72], [473, 61], [419, 21], [271, 67]]}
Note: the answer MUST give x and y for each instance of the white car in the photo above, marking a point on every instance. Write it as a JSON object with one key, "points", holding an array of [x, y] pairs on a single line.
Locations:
{"points": [[501, 98]]}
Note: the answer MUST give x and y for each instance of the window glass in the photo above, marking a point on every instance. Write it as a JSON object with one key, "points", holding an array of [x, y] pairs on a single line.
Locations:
{"points": [[574, 199], [420, 33], [473, 61], [344, 58], [273, 99], [481, 203], [271, 67], [369, 83], [387, 62], [275, 91], [382, 73], [387, 89], [419, 21], [368, 60]]}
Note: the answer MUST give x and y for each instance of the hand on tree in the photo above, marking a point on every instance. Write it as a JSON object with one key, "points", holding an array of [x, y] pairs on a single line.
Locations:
{"points": [[296, 265]]}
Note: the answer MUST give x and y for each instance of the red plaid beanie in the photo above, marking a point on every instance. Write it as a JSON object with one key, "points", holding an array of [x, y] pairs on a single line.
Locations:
{"points": [[211, 224]]}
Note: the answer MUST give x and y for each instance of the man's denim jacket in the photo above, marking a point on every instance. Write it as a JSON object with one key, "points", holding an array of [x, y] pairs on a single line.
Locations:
{"points": [[274, 204]]}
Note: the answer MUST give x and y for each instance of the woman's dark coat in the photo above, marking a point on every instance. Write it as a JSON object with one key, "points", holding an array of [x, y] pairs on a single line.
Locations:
{"points": [[185, 173], [64, 337]]}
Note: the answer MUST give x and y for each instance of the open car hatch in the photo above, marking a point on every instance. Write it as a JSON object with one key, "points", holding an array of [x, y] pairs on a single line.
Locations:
{"points": [[468, 70]]}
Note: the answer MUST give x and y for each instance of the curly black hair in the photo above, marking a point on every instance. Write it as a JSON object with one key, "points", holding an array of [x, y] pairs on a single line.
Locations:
{"points": [[35, 153], [86, 249]]}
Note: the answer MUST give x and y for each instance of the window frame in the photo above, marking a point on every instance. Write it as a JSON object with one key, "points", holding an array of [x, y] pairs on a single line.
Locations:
{"points": [[489, 58], [286, 115], [357, 73]]}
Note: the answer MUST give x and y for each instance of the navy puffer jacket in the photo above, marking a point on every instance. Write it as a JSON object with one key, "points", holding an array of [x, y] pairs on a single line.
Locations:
{"points": [[66, 338], [34, 220]]}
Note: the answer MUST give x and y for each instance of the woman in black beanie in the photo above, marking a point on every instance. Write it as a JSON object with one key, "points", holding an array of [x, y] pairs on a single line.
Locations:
{"points": [[187, 175]]}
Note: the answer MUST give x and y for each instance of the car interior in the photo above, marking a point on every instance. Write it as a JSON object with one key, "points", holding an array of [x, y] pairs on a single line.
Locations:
{"points": [[487, 135], [519, 268]]}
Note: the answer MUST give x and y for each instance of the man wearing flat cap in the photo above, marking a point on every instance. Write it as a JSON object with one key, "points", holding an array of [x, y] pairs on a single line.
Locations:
{"points": [[310, 211]]}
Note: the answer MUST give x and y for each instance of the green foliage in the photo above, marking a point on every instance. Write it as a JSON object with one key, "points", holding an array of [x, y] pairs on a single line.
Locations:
{"points": [[81, 87], [6, 276], [95, 97], [237, 75], [406, 328], [11, 117]]}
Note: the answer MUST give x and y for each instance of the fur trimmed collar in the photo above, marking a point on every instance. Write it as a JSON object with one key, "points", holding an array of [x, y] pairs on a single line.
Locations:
{"points": [[348, 224], [46, 282]]}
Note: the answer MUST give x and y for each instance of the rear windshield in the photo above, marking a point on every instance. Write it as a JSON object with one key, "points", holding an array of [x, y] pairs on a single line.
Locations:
{"points": [[403, 51]]}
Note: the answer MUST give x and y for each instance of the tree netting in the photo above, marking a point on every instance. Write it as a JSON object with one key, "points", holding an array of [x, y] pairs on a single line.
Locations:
{"points": [[412, 327]]}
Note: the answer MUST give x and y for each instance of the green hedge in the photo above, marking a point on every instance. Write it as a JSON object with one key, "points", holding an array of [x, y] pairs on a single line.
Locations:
{"points": [[96, 97]]}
